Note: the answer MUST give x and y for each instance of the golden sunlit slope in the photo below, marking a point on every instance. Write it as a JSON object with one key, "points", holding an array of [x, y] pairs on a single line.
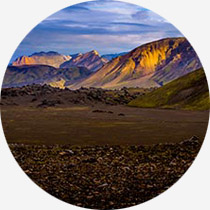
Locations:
{"points": [[50, 58], [149, 65], [188, 92]]}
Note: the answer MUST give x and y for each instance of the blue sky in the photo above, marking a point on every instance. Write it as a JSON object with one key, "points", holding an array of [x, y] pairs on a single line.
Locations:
{"points": [[106, 26]]}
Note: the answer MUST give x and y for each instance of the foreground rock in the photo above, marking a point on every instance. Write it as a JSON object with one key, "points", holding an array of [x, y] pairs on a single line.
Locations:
{"points": [[106, 177]]}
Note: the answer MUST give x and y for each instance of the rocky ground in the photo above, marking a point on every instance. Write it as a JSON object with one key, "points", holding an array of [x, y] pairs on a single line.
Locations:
{"points": [[47, 96], [106, 177]]}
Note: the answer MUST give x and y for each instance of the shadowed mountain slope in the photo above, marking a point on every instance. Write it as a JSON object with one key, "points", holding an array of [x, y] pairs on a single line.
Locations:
{"points": [[41, 74], [90, 60], [188, 92]]}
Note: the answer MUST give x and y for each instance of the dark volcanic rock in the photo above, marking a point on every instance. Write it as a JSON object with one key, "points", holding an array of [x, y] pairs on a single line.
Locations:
{"points": [[41, 96], [105, 177], [47, 103], [121, 114]]}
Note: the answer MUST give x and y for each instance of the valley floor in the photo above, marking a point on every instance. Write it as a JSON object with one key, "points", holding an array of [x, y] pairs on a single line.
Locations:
{"points": [[101, 125], [103, 156]]}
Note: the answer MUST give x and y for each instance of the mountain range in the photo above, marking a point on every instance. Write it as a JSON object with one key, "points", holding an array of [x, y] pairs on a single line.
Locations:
{"points": [[150, 65], [91, 60]]}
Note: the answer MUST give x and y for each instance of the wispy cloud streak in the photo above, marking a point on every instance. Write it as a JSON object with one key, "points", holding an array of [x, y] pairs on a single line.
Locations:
{"points": [[107, 26]]}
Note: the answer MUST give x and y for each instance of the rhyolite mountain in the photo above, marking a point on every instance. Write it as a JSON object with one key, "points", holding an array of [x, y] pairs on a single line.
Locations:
{"points": [[150, 65], [17, 76], [187, 92], [90, 60], [42, 58], [33, 69]]}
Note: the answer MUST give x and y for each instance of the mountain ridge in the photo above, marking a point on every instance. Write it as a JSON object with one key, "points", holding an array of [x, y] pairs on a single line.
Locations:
{"points": [[50, 58], [91, 60], [149, 65], [152, 64]]}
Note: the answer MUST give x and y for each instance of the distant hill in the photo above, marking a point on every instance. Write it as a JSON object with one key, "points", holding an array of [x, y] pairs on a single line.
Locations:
{"points": [[17, 76], [42, 58], [150, 65], [188, 92], [111, 56], [90, 60]]}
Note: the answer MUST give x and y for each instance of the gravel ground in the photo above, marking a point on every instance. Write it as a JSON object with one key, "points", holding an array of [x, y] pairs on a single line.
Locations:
{"points": [[106, 177]]}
